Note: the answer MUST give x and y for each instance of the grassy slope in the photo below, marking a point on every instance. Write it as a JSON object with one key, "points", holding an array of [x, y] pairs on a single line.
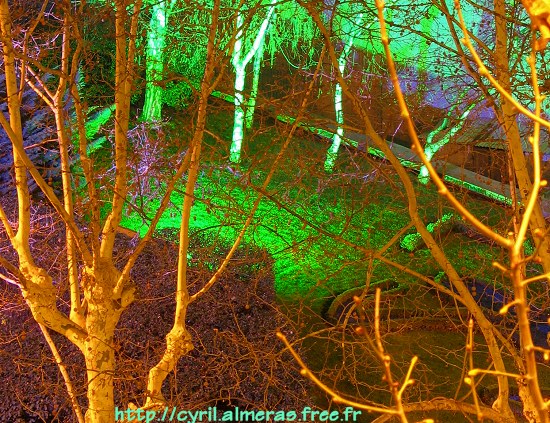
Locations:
{"points": [[361, 202]]}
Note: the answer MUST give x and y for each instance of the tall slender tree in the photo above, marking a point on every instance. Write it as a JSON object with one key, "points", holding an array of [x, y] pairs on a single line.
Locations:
{"points": [[247, 44], [100, 292], [349, 33], [256, 68], [155, 58]]}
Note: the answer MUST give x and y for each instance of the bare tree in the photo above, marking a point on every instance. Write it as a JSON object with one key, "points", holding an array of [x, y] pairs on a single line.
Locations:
{"points": [[99, 291], [528, 216], [95, 199]]}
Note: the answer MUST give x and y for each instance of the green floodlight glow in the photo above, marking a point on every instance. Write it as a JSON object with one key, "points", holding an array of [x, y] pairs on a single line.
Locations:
{"points": [[411, 242], [339, 112], [432, 146], [156, 43], [240, 60], [94, 124], [302, 256], [277, 231]]}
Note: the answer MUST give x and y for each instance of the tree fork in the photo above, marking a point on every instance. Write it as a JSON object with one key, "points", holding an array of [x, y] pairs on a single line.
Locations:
{"points": [[178, 340]]}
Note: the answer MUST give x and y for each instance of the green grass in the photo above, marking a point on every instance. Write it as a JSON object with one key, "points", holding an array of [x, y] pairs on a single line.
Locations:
{"points": [[309, 265], [311, 268]]}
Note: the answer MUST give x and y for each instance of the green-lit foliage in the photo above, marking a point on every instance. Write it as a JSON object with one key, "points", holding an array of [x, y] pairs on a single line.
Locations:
{"points": [[94, 125], [425, 49], [189, 62], [419, 33], [155, 51], [247, 42], [349, 33], [293, 35], [307, 263]]}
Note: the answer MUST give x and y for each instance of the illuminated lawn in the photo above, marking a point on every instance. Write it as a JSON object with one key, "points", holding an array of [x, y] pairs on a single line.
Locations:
{"points": [[311, 216]]}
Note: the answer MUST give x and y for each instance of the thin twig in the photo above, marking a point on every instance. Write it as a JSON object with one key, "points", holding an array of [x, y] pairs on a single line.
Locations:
{"points": [[335, 396]]}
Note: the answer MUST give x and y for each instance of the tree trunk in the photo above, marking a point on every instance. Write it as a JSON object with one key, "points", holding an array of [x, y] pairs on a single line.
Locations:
{"points": [[240, 60], [332, 153], [338, 109], [100, 362], [103, 314], [251, 104], [156, 43], [178, 340], [513, 137], [238, 124]]}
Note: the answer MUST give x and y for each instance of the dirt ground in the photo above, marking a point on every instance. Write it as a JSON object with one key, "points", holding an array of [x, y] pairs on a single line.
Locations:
{"points": [[237, 360]]}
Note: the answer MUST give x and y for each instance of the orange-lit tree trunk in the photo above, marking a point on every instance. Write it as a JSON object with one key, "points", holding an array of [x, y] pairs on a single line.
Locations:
{"points": [[510, 126], [90, 324], [178, 340], [534, 408], [464, 295]]}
